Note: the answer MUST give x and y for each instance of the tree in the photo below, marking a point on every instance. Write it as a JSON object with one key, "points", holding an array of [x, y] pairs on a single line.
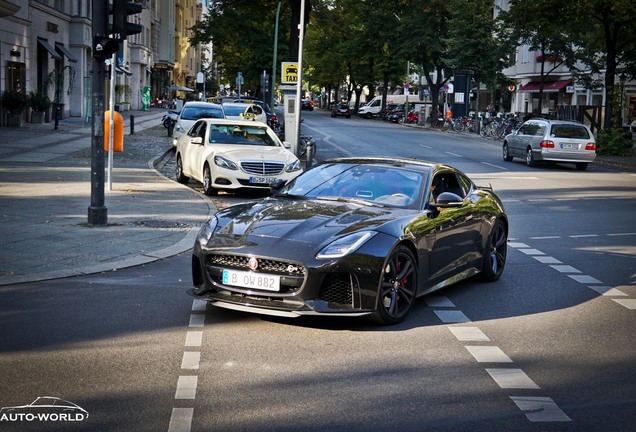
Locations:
{"points": [[535, 23]]}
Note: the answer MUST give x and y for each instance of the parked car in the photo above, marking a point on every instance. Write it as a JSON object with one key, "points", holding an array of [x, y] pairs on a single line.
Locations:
{"points": [[387, 110], [244, 111], [193, 111], [307, 105], [272, 119], [341, 109], [397, 113], [351, 237], [538, 140], [232, 155]]}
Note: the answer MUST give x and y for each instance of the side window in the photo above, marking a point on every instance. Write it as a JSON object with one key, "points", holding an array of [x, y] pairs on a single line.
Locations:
{"points": [[194, 130], [448, 182], [540, 129]]}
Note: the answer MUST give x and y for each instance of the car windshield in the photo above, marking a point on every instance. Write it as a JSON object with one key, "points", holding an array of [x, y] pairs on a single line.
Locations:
{"points": [[196, 113], [241, 135], [234, 110], [569, 131], [378, 184]]}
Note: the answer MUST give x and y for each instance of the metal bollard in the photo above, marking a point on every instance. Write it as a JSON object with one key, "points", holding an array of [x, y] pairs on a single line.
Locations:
{"points": [[57, 117], [132, 124]]}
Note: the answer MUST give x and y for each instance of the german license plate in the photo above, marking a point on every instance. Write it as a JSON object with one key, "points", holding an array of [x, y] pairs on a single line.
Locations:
{"points": [[569, 146], [263, 180], [251, 280]]}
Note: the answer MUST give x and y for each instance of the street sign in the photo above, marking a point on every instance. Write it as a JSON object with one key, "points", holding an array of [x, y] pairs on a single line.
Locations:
{"points": [[289, 73]]}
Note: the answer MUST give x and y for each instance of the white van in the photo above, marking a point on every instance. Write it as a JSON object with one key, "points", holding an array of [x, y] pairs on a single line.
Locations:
{"points": [[373, 107]]}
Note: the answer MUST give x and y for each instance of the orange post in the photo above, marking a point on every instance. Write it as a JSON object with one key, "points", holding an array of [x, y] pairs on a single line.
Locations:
{"points": [[118, 131]]}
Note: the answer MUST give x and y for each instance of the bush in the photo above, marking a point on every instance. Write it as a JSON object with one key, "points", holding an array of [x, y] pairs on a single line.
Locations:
{"points": [[39, 101], [613, 142], [14, 102]]}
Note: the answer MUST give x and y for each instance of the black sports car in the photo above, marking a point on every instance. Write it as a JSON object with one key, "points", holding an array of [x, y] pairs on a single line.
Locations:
{"points": [[351, 236]]}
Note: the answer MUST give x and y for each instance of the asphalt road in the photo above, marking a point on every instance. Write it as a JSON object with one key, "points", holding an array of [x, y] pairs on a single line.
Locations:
{"points": [[549, 347]]}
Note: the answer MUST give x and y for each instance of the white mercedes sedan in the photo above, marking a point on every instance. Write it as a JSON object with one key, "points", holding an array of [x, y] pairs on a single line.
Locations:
{"points": [[232, 155]]}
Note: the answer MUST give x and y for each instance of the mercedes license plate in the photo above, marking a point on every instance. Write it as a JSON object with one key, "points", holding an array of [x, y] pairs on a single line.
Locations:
{"points": [[263, 180], [251, 280], [568, 146]]}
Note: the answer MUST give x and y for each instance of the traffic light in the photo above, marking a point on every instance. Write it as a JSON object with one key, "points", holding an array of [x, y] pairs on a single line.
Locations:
{"points": [[121, 28]]}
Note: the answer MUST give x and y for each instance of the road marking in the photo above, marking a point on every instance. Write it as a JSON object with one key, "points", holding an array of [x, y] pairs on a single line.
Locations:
{"points": [[547, 259], [607, 291], [488, 354], [565, 269], [511, 378], [540, 409], [585, 279], [186, 387], [197, 320], [194, 338], [494, 166], [628, 303], [181, 420], [472, 334], [545, 238], [583, 235], [621, 234], [449, 316], [454, 154], [190, 360], [438, 301], [531, 251], [199, 305]]}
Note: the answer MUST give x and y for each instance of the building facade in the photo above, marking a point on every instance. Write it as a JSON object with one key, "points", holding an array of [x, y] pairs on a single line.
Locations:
{"points": [[46, 47]]}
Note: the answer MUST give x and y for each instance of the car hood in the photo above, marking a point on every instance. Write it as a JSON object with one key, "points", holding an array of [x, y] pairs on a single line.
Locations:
{"points": [[248, 152], [309, 223]]}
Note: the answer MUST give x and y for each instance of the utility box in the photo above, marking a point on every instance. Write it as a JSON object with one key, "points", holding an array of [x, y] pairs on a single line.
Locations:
{"points": [[118, 131]]}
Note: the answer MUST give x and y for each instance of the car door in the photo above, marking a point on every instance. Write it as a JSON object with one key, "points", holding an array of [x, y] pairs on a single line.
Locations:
{"points": [[457, 237], [194, 153], [518, 142]]}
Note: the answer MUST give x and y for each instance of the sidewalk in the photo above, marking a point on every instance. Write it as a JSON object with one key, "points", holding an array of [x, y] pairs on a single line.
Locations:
{"points": [[45, 192]]}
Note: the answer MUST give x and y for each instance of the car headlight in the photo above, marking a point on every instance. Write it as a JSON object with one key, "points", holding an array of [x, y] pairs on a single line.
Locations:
{"points": [[206, 231], [345, 245], [294, 166], [179, 128], [225, 163]]}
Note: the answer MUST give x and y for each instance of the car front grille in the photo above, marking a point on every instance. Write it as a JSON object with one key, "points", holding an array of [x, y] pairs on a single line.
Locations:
{"points": [[262, 167], [337, 288], [239, 262]]}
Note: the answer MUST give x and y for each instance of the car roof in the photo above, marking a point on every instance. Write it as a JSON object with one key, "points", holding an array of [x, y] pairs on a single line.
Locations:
{"points": [[237, 122], [202, 104]]}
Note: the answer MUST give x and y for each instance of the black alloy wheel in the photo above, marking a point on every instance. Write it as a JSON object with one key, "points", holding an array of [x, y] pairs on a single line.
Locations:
{"points": [[495, 253], [398, 287]]}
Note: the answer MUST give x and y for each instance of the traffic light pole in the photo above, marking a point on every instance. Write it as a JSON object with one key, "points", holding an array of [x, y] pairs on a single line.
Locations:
{"points": [[97, 211]]}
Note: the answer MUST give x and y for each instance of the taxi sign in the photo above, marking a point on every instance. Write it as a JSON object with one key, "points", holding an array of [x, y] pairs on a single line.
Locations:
{"points": [[289, 73]]}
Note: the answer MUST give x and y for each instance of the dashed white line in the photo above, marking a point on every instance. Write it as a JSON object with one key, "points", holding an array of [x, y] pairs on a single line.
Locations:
{"points": [[540, 409], [607, 290], [190, 360], [186, 387], [488, 354], [511, 378], [585, 279], [439, 301], [196, 320], [628, 303], [451, 316], [454, 154], [194, 338], [547, 259], [472, 334], [531, 251], [565, 269], [181, 420], [494, 166]]}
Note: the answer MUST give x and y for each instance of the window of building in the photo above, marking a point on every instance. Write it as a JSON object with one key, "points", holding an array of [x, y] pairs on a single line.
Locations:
{"points": [[16, 76]]}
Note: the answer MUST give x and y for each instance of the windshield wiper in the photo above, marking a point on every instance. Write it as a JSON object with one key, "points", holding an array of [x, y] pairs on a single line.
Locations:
{"points": [[350, 200]]}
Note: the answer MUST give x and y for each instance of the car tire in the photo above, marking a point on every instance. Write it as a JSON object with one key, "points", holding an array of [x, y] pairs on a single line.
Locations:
{"points": [[581, 166], [181, 178], [506, 153], [207, 182], [495, 252], [530, 158], [398, 287]]}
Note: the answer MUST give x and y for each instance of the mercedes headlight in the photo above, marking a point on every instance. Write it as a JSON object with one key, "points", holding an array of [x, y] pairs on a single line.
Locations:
{"points": [[225, 163]]}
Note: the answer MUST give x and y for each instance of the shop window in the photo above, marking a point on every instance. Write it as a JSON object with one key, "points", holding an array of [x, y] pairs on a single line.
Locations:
{"points": [[16, 76]]}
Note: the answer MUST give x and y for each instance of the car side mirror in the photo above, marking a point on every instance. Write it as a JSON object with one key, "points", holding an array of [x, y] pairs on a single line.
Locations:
{"points": [[277, 185], [447, 200], [287, 144], [197, 140]]}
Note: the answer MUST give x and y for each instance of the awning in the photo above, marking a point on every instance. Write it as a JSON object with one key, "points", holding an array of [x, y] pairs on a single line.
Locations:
{"points": [[181, 88], [50, 49], [548, 86], [61, 48]]}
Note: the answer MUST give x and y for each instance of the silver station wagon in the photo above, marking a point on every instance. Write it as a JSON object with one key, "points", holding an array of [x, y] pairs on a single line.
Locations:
{"points": [[538, 140]]}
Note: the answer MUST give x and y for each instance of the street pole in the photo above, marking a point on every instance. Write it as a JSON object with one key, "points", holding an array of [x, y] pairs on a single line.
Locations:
{"points": [[275, 56], [299, 83], [97, 211]]}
